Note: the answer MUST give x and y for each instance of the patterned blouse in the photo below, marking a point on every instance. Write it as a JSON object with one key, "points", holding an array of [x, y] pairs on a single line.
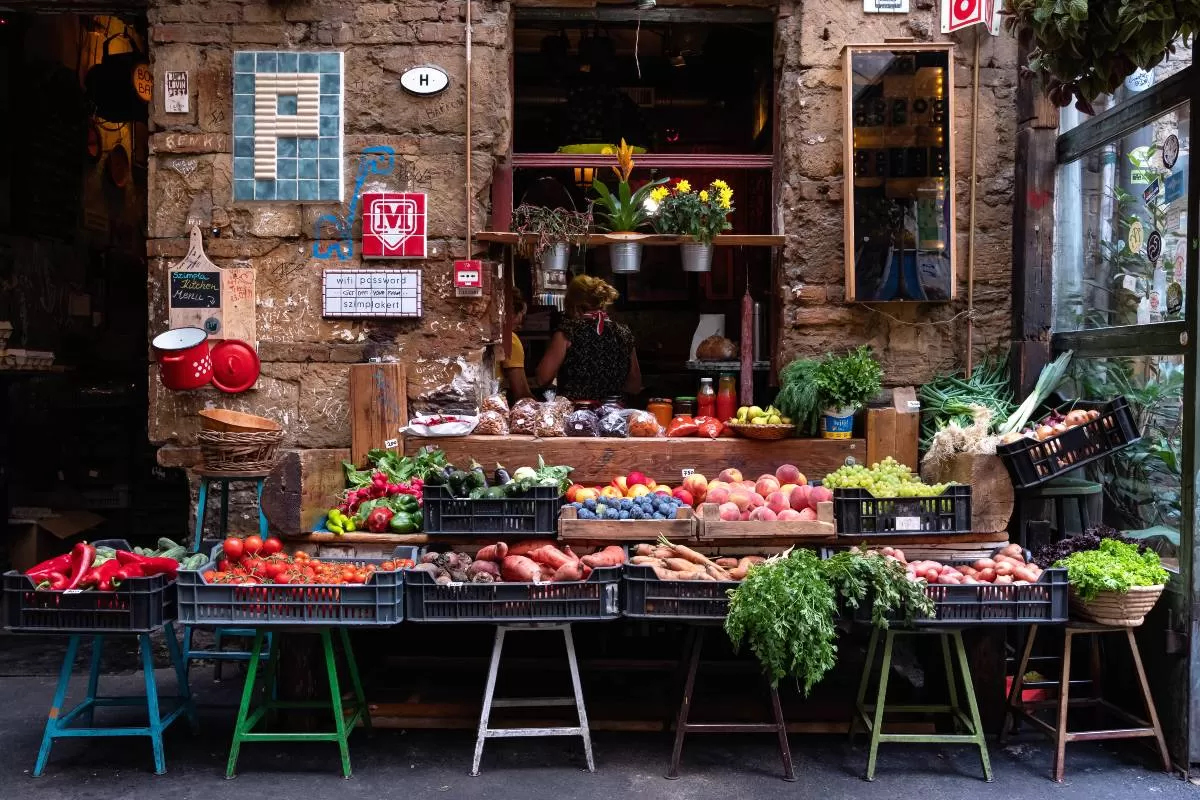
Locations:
{"points": [[596, 365]]}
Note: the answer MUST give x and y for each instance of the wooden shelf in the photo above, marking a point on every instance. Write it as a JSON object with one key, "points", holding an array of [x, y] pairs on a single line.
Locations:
{"points": [[650, 239]]}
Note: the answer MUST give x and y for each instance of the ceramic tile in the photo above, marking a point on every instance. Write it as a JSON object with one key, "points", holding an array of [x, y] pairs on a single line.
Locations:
{"points": [[287, 147], [288, 62], [243, 168], [307, 168], [331, 84], [331, 168], [307, 190], [330, 190], [330, 126], [286, 105], [285, 168], [243, 105], [286, 190], [243, 126], [331, 62], [266, 62], [264, 190], [243, 84], [243, 190], [309, 62], [243, 146], [330, 147], [330, 103], [308, 148], [243, 62]]}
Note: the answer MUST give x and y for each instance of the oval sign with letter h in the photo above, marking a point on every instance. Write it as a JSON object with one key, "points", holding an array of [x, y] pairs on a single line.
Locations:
{"points": [[425, 80]]}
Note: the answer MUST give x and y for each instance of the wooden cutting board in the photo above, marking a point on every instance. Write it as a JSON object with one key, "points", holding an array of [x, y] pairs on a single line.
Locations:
{"points": [[203, 295], [378, 408]]}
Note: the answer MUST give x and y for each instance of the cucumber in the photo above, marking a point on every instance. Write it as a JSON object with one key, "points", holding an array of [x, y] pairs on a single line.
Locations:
{"points": [[166, 544], [177, 552]]}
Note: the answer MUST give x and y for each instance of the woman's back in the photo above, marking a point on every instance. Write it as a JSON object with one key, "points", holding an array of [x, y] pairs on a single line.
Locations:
{"points": [[597, 364]]}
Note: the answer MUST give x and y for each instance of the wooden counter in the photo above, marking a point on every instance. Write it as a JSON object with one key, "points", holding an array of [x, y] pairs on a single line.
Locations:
{"points": [[597, 461]]}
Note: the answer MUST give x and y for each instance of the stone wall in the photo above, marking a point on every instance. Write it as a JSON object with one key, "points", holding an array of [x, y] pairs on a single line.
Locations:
{"points": [[306, 358]]}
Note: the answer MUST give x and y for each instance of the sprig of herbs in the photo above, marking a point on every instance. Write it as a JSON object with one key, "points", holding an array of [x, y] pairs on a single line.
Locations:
{"points": [[849, 381], [870, 577], [1114, 567]]}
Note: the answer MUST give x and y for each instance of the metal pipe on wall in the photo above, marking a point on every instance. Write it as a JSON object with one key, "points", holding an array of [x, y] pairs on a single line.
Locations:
{"points": [[469, 235]]}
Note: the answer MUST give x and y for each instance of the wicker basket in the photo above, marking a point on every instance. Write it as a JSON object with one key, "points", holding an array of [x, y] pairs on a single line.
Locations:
{"points": [[764, 432], [1119, 609], [222, 419], [239, 451]]}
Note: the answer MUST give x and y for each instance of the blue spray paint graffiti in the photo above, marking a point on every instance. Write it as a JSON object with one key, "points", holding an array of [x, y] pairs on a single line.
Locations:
{"points": [[379, 160]]}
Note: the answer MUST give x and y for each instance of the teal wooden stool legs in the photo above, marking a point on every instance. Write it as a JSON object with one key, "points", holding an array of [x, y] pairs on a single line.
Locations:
{"points": [[871, 715], [59, 724]]}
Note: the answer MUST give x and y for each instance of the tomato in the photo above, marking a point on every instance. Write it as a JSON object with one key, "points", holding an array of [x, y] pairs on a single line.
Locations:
{"points": [[233, 548], [282, 578], [253, 544], [300, 556], [272, 570], [210, 575], [271, 546]]}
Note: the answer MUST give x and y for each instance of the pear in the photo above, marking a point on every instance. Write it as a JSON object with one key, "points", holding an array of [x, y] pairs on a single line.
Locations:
{"points": [[756, 412]]}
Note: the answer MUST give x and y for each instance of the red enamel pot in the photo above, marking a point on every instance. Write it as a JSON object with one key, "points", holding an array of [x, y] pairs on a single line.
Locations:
{"points": [[183, 359]]}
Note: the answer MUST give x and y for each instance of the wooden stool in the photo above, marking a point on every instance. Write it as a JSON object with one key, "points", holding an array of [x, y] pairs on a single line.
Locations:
{"points": [[1059, 492], [1019, 709]]}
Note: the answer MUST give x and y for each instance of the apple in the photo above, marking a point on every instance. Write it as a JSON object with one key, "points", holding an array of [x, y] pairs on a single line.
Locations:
{"points": [[730, 475], [777, 501], [719, 495], [584, 493], [636, 477], [789, 515], [745, 517], [788, 473], [611, 491], [808, 515], [622, 483], [763, 514], [730, 512], [800, 496], [636, 491], [740, 498], [573, 491], [684, 496], [697, 486], [766, 485]]}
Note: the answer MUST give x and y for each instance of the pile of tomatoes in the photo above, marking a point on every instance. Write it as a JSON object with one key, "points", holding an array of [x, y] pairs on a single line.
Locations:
{"points": [[253, 560]]}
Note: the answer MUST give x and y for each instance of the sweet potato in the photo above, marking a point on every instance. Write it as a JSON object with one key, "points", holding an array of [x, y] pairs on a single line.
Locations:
{"points": [[551, 557], [611, 556], [737, 574], [570, 571], [717, 573], [528, 546], [646, 561], [726, 563], [493, 552], [682, 565], [570, 553], [520, 569], [485, 568]]}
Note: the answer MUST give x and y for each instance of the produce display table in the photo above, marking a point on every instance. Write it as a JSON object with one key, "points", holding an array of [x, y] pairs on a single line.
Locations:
{"points": [[344, 719], [1020, 709], [58, 724], [871, 715], [692, 649], [490, 701]]}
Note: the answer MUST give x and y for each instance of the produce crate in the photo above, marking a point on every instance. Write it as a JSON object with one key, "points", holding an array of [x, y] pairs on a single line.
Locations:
{"points": [[140, 605], [862, 515], [712, 528], [597, 598], [647, 596], [534, 514], [1031, 462], [681, 529], [380, 601], [998, 604]]}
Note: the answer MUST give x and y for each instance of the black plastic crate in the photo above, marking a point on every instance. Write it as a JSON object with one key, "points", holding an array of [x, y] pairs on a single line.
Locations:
{"points": [[597, 598], [993, 604], [536, 513], [1031, 462], [380, 601], [646, 595], [140, 605], [862, 515]]}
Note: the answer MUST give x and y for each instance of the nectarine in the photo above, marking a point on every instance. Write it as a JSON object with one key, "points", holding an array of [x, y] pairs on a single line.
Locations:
{"points": [[730, 475], [762, 514], [740, 498], [777, 501], [719, 495], [789, 515]]}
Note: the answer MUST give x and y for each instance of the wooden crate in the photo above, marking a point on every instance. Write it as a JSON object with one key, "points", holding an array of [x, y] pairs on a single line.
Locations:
{"points": [[712, 528], [573, 529]]}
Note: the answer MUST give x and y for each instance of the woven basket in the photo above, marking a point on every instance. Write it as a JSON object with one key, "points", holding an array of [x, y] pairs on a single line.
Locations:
{"points": [[234, 451], [764, 432], [1119, 609]]}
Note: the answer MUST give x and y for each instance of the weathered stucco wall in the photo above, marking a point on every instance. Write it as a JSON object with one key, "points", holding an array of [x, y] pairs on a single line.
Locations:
{"points": [[306, 358]]}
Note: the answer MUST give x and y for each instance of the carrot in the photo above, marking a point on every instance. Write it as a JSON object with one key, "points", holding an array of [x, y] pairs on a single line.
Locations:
{"points": [[663, 573], [646, 561], [520, 569], [663, 552], [493, 552], [644, 550], [611, 556], [528, 546], [686, 553], [682, 565], [755, 559], [551, 557], [716, 573], [570, 571]]}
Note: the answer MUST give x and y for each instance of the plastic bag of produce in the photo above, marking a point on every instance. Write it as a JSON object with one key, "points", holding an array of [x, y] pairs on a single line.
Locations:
{"points": [[492, 423], [496, 402], [583, 423], [683, 425], [523, 417], [441, 425], [643, 424], [614, 424], [551, 419]]}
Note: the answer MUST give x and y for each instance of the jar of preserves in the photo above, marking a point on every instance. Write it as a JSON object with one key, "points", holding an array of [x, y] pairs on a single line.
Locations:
{"points": [[727, 398], [685, 405], [706, 399], [662, 410]]}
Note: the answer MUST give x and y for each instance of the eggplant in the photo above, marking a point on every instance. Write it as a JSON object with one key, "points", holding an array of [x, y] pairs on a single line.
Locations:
{"points": [[501, 477]]}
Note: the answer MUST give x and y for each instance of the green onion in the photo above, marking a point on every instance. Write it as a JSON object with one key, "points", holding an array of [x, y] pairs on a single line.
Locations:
{"points": [[1051, 376]]}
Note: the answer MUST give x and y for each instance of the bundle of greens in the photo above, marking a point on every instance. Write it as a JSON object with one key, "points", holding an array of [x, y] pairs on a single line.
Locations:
{"points": [[807, 386], [396, 468], [954, 399], [798, 396], [1114, 567]]}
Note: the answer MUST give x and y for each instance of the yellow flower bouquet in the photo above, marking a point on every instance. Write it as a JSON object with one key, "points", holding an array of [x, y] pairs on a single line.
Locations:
{"points": [[701, 214]]}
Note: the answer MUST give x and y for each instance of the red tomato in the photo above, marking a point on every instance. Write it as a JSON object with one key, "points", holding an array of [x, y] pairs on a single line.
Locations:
{"points": [[209, 575], [253, 544], [271, 546], [233, 547], [272, 570]]}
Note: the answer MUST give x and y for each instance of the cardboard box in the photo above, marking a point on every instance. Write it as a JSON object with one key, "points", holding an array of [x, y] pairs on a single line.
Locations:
{"points": [[894, 431], [33, 538]]}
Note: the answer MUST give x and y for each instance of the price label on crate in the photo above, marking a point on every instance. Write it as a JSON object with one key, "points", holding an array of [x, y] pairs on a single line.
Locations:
{"points": [[72, 591], [908, 523], [687, 473], [390, 443]]}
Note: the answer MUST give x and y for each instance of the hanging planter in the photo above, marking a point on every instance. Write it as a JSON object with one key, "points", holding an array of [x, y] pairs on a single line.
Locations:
{"points": [[701, 214], [623, 212], [696, 256], [556, 257], [625, 257]]}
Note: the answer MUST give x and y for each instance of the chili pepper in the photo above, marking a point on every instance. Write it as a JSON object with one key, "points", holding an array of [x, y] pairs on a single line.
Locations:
{"points": [[150, 565], [82, 557], [55, 581], [101, 577], [57, 564]]}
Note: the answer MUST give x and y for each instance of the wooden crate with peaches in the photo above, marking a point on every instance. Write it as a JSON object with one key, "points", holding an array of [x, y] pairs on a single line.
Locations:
{"points": [[779, 506]]}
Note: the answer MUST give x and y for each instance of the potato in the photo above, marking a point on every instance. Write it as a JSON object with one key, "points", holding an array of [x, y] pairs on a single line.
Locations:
{"points": [[985, 563], [1014, 550]]}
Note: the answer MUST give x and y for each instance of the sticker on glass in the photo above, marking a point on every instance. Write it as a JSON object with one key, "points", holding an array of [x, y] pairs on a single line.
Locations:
{"points": [[1170, 151], [1154, 246]]}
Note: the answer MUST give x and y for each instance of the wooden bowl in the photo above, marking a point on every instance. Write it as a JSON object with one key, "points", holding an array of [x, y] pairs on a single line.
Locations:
{"points": [[763, 432], [222, 419]]}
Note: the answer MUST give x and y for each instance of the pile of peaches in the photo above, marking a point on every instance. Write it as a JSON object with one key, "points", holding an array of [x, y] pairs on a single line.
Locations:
{"points": [[784, 496]]}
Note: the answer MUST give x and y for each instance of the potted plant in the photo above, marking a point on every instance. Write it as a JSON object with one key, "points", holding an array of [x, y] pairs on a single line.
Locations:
{"points": [[844, 384], [624, 211], [546, 234], [701, 214], [1115, 584]]}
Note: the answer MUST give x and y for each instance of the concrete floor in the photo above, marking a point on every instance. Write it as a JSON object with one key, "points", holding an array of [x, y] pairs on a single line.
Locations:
{"points": [[435, 764]]}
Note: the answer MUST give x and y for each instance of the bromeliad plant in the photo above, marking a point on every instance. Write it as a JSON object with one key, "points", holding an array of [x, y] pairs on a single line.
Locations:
{"points": [[701, 214], [625, 210]]}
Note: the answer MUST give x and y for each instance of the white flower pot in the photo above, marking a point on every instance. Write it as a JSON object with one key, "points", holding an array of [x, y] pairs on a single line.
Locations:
{"points": [[696, 257]]}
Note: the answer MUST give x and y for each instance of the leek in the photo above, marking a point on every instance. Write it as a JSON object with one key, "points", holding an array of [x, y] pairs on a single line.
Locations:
{"points": [[1052, 375]]}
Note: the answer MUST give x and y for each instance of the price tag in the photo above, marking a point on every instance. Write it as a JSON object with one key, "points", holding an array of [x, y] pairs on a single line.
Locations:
{"points": [[687, 472], [390, 443], [72, 591], [908, 523], [914, 405]]}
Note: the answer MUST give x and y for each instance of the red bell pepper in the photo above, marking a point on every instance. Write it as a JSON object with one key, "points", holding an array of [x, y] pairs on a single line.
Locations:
{"points": [[149, 565], [55, 581], [57, 564], [82, 557], [105, 577]]}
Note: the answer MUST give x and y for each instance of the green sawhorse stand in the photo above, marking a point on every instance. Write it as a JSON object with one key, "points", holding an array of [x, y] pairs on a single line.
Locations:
{"points": [[58, 724], [344, 719], [224, 479], [871, 716]]}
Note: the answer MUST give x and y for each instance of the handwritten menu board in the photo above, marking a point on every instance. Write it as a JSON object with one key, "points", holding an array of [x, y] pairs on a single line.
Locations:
{"points": [[196, 289], [377, 293]]}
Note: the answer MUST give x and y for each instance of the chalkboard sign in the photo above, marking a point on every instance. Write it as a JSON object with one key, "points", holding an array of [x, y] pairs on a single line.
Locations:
{"points": [[195, 289]]}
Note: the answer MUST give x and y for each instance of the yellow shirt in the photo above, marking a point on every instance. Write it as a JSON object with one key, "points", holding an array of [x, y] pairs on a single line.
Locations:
{"points": [[515, 360]]}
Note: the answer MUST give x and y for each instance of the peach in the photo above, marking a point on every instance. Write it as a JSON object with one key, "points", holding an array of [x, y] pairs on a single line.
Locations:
{"points": [[766, 484], [808, 515], [684, 496], [745, 517], [757, 501], [787, 489], [740, 498], [730, 475], [696, 485], [585, 494], [716, 485], [788, 473], [800, 496], [730, 512], [789, 515], [748, 486], [719, 495], [819, 495], [777, 501], [763, 514]]}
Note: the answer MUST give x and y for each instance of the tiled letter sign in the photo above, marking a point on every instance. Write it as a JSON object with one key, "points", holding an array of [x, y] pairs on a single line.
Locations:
{"points": [[287, 126], [393, 225]]}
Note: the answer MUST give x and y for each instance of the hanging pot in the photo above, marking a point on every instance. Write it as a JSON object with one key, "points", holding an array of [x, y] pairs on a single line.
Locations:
{"points": [[556, 257], [184, 362], [697, 257], [121, 85], [235, 366], [625, 257]]}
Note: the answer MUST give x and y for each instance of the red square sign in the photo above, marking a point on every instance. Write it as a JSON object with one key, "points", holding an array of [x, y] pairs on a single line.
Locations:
{"points": [[959, 14], [394, 225]]}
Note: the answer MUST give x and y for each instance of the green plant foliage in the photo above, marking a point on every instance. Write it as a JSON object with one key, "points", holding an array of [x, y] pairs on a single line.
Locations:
{"points": [[701, 214], [1115, 567], [798, 396], [849, 381], [1081, 50], [540, 227]]}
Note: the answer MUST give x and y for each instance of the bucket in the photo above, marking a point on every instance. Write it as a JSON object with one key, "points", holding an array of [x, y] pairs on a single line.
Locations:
{"points": [[555, 258], [837, 423], [625, 257], [696, 257]]}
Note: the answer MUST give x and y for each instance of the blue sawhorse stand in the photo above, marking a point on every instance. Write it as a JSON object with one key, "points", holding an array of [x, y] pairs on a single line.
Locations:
{"points": [[58, 724], [224, 479]]}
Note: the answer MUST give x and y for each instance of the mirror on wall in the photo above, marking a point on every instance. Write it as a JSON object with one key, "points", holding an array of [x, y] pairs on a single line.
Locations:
{"points": [[899, 120]]}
